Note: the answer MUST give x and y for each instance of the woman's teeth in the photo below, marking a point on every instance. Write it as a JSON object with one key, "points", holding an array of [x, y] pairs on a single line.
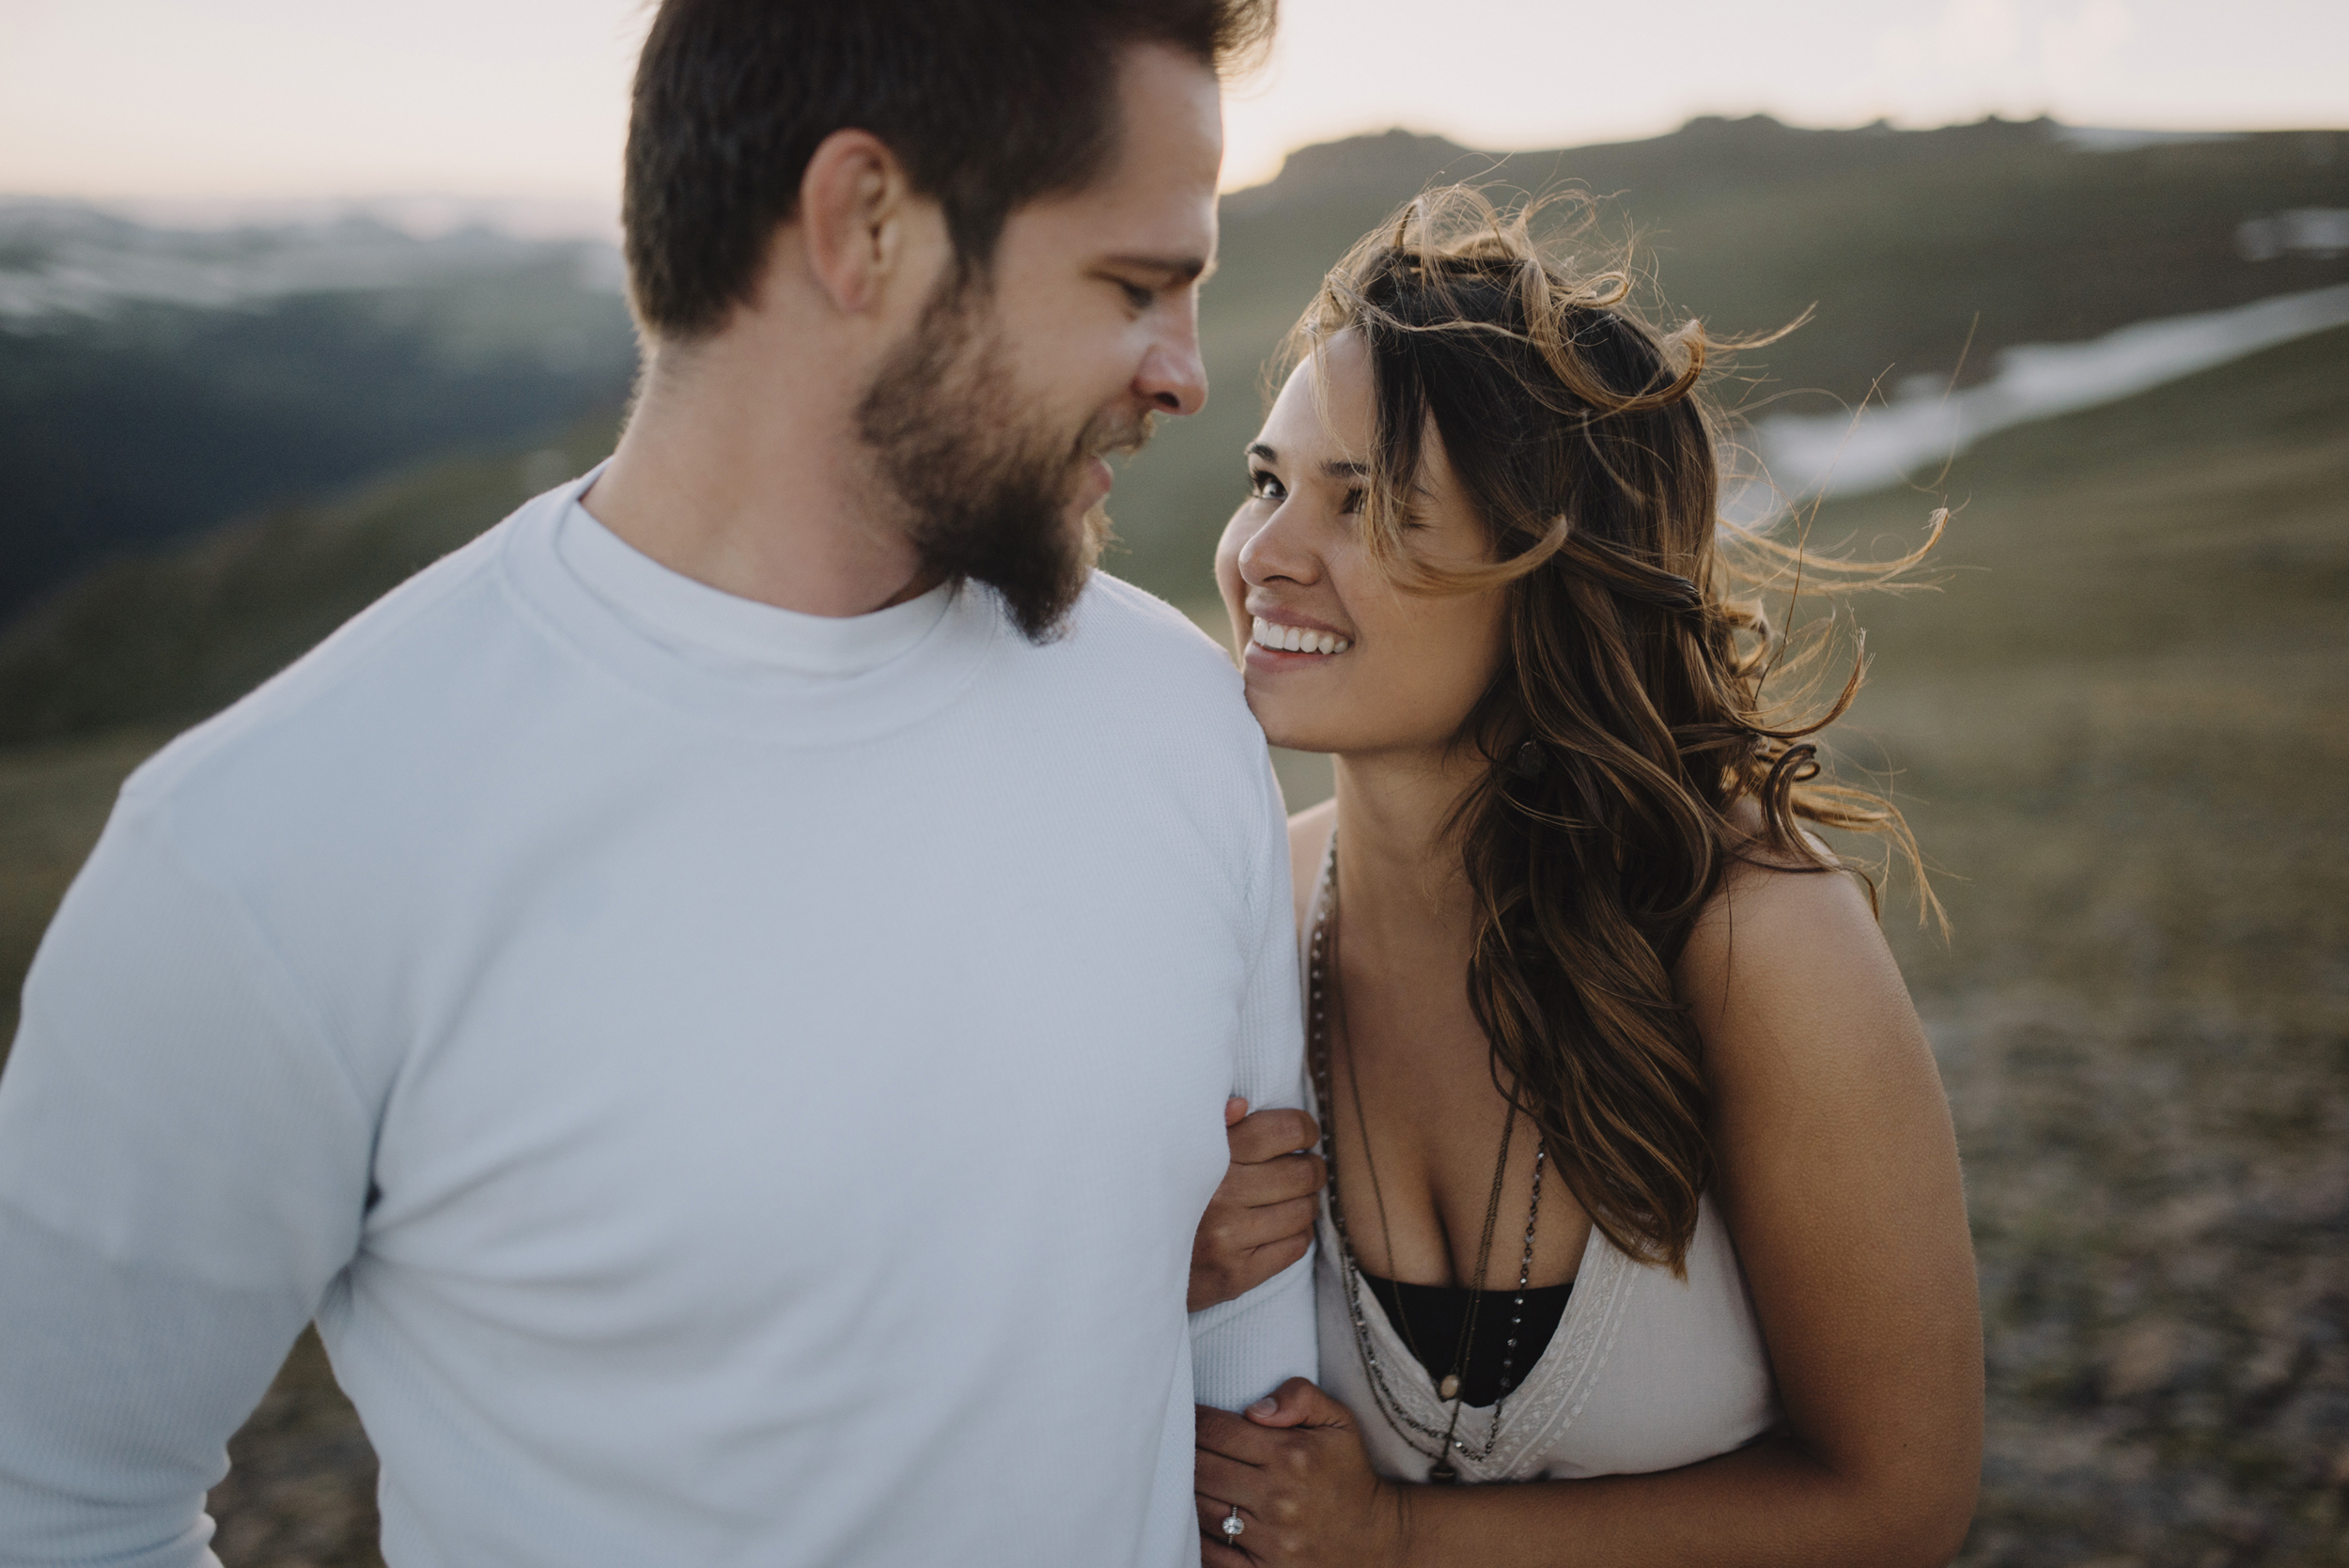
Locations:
{"points": [[1296, 639]]}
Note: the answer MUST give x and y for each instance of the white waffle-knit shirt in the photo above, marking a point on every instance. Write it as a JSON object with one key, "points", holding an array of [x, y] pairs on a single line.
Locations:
{"points": [[733, 1087]]}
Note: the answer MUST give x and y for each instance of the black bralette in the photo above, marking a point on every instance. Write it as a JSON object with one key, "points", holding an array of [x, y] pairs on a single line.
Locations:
{"points": [[1430, 1316]]}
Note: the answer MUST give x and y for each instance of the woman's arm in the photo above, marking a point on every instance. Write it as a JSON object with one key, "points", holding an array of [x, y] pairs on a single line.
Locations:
{"points": [[1839, 1180]]}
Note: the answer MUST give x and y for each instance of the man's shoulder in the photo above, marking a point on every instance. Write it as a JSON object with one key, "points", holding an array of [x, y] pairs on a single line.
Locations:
{"points": [[381, 685], [1141, 664], [1116, 620]]}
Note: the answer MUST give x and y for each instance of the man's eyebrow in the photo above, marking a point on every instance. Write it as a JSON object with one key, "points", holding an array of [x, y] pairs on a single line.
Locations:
{"points": [[1177, 269]]}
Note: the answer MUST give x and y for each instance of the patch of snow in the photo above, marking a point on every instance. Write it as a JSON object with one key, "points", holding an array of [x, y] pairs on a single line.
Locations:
{"points": [[2319, 231], [1812, 456], [2104, 138]]}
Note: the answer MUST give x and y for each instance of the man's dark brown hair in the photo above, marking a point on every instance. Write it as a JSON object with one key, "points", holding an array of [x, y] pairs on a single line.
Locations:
{"points": [[989, 103]]}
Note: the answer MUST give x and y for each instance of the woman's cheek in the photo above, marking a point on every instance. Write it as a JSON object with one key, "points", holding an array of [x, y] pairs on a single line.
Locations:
{"points": [[1228, 579]]}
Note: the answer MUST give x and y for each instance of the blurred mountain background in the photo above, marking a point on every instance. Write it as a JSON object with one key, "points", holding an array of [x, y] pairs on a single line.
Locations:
{"points": [[2117, 725], [156, 383]]}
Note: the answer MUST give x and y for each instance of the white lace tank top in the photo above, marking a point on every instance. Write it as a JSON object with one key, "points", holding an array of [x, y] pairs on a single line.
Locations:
{"points": [[1645, 1373]]}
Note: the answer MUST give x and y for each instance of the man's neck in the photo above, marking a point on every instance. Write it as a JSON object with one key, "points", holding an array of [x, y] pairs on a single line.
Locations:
{"points": [[754, 483]]}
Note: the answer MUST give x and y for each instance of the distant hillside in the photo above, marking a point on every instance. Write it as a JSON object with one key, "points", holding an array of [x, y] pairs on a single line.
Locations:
{"points": [[1906, 240], [156, 382], [175, 634], [152, 420]]}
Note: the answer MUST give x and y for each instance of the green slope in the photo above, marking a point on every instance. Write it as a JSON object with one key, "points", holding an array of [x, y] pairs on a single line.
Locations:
{"points": [[141, 427], [179, 634]]}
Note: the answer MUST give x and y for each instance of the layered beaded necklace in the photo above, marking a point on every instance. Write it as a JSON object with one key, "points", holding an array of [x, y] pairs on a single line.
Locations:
{"points": [[1325, 994]]}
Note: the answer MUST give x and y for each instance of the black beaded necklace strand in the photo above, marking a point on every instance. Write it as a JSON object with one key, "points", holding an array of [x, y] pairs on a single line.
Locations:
{"points": [[1327, 991]]}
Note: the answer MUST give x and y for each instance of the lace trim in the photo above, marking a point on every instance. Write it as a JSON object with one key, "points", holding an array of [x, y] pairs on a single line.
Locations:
{"points": [[1540, 1409], [1550, 1403]]}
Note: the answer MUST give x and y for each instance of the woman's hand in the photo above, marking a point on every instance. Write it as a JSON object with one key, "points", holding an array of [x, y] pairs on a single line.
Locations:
{"points": [[1261, 1219], [1295, 1469]]}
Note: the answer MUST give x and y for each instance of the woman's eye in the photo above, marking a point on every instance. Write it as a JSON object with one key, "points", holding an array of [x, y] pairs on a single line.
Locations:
{"points": [[1264, 486], [1136, 296], [1352, 504]]}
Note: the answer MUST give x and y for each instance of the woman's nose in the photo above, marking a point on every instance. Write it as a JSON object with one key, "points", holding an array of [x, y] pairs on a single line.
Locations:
{"points": [[1277, 552]]}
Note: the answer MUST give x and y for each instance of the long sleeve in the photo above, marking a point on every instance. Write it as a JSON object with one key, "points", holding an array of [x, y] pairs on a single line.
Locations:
{"points": [[1243, 1349], [183, 1168]]}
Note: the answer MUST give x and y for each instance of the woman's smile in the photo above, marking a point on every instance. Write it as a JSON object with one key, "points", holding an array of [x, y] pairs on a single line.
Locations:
{"points": [[1267, 636]]}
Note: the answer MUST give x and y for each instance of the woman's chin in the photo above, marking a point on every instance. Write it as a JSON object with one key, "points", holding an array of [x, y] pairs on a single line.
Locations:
{"points": [[1288, 731]]}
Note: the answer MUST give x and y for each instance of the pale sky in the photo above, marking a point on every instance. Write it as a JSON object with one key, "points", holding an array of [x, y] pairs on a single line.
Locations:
{"points": [[275, 100]]}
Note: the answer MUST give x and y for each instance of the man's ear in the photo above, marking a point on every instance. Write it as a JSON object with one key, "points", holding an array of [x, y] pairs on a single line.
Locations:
{"points": [[854, 202]]}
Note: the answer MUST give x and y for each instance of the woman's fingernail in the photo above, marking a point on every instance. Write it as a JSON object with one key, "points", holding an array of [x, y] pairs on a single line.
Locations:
{"points": [[1263, 1407]]}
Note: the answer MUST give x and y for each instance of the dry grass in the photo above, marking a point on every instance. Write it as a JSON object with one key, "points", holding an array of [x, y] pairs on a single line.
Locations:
{"points": [[2143, 1023], [301, 1486]]}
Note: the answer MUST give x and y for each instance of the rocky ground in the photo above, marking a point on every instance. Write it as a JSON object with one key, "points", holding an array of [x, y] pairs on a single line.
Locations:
{"points": [[2143, 1023], [2160, 1204], [301, 1486]]}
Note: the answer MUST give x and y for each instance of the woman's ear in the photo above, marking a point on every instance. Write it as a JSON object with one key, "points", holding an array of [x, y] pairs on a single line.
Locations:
{"points": [[856, 207]]}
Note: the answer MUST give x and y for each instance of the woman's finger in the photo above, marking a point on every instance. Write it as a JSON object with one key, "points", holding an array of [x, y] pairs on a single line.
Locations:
{"points": [[1251, 1228], [1213, 1553], [1234, 1438], [1270, 1134], [1300, 1401], [1292, 1218], [1282, 1180], [1273, 1256], [1275, 1181], [1220, 1546], [1226, 1481]]}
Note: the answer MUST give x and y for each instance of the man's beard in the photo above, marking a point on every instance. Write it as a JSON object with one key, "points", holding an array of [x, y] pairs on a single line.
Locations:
{"points": [[985, 494]]}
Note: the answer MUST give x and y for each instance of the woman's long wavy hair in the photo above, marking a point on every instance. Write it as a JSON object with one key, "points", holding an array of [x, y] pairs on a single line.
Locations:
{"points": [[1628, 722]]}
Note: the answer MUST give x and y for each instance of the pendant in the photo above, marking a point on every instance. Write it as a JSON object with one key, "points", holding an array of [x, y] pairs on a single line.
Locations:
{"points": [[1450, 1386], [1443, 1474]]}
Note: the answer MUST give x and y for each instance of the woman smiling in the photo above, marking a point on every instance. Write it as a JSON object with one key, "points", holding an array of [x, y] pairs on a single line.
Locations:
{"points": [[1642, 1190]]}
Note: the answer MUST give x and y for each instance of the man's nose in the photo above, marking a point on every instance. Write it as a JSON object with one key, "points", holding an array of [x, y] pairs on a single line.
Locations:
{"points": [[1173, 378]]}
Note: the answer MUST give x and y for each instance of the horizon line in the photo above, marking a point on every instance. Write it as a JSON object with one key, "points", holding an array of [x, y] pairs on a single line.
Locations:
{"points": [[581, 214]]}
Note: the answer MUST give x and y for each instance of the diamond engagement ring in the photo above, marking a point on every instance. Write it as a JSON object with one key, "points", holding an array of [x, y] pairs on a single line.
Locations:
{"points": [[1233, 1525]]}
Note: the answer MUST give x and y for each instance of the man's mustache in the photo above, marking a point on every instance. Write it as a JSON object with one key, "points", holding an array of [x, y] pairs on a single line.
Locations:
{"points": [[1119, 437]]}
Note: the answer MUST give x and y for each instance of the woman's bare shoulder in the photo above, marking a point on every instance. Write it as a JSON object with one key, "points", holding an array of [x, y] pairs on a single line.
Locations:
{"points": [[1788, 978], [1309, 835], [1776, 917]]}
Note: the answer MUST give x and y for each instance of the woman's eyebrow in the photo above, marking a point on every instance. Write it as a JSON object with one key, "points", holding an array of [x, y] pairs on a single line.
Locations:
{"points": [[1334, 468]]}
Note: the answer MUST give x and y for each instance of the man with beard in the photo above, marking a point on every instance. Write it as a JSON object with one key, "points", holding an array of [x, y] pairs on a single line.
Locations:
{"points": [[719, 996]]}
